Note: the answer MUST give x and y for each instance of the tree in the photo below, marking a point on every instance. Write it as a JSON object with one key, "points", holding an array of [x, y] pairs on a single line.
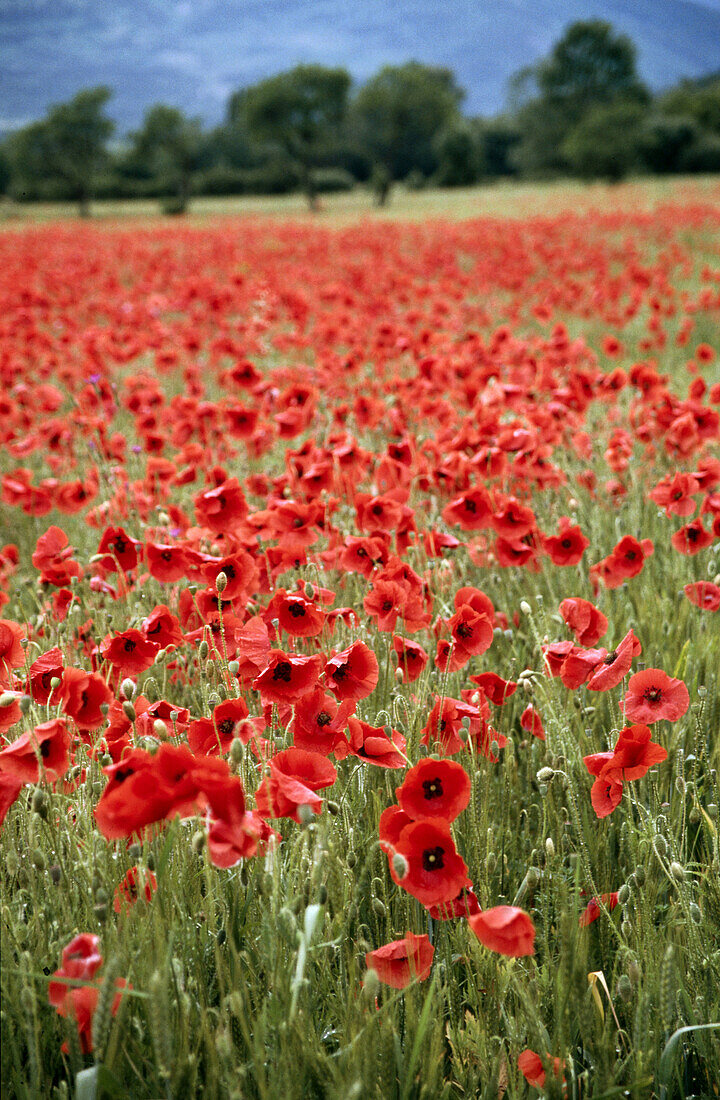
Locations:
{"points": [[590, 67], [459, 150], [400, 111], [69, 145], [169, 144], [607, 143], [299, 112]]}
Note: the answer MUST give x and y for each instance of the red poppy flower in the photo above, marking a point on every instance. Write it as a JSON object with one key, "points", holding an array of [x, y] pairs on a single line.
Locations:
{"points": [[48, 744], [47, 667], [592, 911], [434, 788], [402, 961], [472, 635], [209, 736], [412, 658], [53, 557], [579, 665], [12, 653], [240, 570], [616, 665], [392, 822], [162, 627], [531, 1066], [83, 694], [505, 929], [531, 721], [497, 690], [136, 882], [223, 508], [319, 720], [130, 652], [465, 904], [675, 494], [165, 562], [583, 618], [378, 745], [295, 776], [653, 695], [435, 871], [692, 538], [119, 550], [568, 547], [287, 677], [471, 510], [704, 594], [352, 674]]}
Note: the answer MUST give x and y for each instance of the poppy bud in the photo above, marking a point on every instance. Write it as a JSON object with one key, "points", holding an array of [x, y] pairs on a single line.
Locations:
{"points": [[234, 668], [378, 907], [198, 842], [660, 845], [134, 851], [39, 802], [25, 702], [640, 875], [525, 607], [150, 861], [371, 984], [352, 860], [39, 859], [160, 729], [400, 865], [104, 708], [399, 675], [549, 848], [221, 582], [7, 698], [626, 928], [333, 808], [633, 971], [203, 650], [129, 711], [309, 591], [545, 775], [128, 688], [55, 874], [624, 987], [677, 871], [695, 912], [237, 751], [305, 814], [624, 894]]}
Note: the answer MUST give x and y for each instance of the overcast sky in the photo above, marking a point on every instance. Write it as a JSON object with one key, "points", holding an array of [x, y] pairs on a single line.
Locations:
{"points": [[194, 53]]}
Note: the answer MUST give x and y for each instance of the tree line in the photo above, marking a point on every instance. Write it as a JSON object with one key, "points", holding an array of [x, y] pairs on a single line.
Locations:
{"points": [[581, 111]]}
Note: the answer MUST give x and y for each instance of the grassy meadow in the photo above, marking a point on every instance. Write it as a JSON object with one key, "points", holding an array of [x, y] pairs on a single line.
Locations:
{"points": [[372, 481]]}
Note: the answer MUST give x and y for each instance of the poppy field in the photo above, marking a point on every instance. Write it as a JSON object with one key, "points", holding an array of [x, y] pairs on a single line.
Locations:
{"points": [[360, 657]]}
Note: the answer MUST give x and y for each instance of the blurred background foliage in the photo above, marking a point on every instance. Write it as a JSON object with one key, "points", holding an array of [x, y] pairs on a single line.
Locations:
{"points": [[581, 111]]}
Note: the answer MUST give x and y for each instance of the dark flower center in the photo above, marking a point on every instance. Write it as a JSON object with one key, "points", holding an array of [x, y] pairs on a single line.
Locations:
{"points": [[464, 631], [129, 645], [283, 671], [387, 605], [227, 726], [470, 506], [432, 859], [45, 749], [323, 718], [433, 788], [296, 610], [652, 694]]}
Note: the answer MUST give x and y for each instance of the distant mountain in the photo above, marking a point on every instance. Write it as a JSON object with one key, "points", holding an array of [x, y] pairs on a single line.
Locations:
{"points": [[193, 53]]}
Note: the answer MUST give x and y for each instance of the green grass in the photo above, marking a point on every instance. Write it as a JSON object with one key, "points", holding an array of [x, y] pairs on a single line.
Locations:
{"points": [[498, 200], [251, 983]]}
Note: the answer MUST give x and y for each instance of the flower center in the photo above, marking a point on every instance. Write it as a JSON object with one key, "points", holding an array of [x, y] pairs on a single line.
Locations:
{"points": [[432, 859], [433, 788]]}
